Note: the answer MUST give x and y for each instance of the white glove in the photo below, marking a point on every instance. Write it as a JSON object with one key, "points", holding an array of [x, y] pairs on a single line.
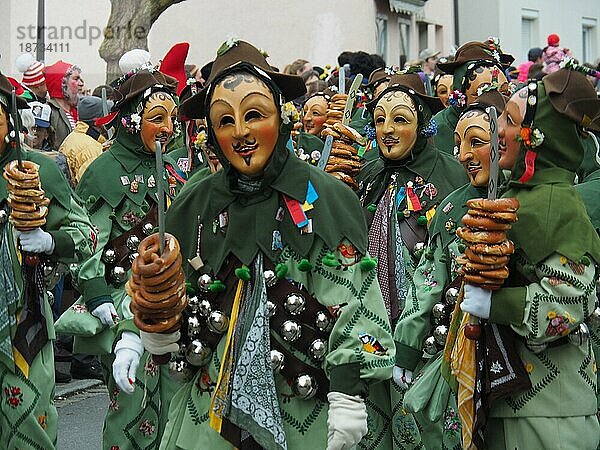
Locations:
{"points": [[128, 352], [477, 301], [160, 343], [402, 377], [346, 422], [106, 313], [36, 241]]}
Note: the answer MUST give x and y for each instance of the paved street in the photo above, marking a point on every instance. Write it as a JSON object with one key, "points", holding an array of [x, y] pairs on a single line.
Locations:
{"points": [[80, 417]]}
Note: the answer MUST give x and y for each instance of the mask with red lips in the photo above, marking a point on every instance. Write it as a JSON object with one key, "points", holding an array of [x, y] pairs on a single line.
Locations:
{"points": [[158, 117]]}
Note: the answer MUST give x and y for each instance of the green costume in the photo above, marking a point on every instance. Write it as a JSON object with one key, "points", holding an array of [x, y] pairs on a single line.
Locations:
{"points": [[396, 227], [119, 189], [28, 417], [446, 121], [247, 225], [551, 287]]}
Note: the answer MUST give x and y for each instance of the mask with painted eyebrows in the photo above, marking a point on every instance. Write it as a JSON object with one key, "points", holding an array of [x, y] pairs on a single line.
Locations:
{"points": [[396, 123], [158, 117], [245, 120], [472, 136]]}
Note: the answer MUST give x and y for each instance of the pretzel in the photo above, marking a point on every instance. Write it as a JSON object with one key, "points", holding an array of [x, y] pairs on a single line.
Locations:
{"points": [[484, 223], [29, 171], [349, 133], [151, 264], [501, 249], [498, 216], [480, 237], [487, 259], [498, 205]]}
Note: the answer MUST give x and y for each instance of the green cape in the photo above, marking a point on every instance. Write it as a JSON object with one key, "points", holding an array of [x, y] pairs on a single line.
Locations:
{"points": [[552, 217], [590, 194], [446, 121], [310, 142]]}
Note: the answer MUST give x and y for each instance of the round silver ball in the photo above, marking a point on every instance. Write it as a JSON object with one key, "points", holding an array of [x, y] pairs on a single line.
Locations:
{"points": [[3, 216], [132, 243], [109, 256], [270, 278], [419, 246], [451, 295], [277, 360], [580, 335], [294, 304], [198, 353], [50, 297], [48, 268], [133, 256], [430, 346], [304, 386], [438, 312], [193, 304], [193, 326], [440, 333], [323, 322], [204, 281], [271, 308], [218, 322], [147, 228], [318, 349], [290, 331], [118, 274], [180, 371], [204, 308]]}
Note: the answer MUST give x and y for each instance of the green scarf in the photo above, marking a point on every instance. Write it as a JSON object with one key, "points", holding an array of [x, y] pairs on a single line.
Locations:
{"points": [[590, 193], [552, 217]]}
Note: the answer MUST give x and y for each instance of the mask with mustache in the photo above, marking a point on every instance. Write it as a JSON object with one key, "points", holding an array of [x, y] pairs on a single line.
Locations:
{"points": [[158, 116]]}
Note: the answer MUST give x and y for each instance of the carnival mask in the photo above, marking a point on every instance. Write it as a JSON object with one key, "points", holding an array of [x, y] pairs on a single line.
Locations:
{"points": [[482, 77], [509, 127], [158, 118], [3, 129], [443, 89], [472, 137], [396, 124], [245, 121], [380, 88], [315, 114]]}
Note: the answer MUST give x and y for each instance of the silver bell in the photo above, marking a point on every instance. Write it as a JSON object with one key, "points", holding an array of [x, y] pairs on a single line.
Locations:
{"points": [[318, 349], [304, 386], [132, 243], [440, 333], [198, 353], [3, 216], [270, 278], [451, 295], [419, 246], [204, 308], [148, 228], [438, 312], [277, 360], [193, 304], [50, 297], [594, 319], [580, 335], [118, 274], [323, 321], [430, 347], [180, 371], [290, 331], [294, 304], [193, 326], [109, 256], [271, 308], [218, 322], [204, 281], [47, 268], [133, 256]]}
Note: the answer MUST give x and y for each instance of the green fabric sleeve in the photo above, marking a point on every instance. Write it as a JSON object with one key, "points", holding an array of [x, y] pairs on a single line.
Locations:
{"points": [[346, 379], [97, 301], [94, 288], [64, 247], [407, 357], [508, 305], [126, 325]]}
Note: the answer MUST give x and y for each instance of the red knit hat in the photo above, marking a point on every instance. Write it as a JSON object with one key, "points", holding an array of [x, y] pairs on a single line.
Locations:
{"points": [[32, 70], [553, 39]]}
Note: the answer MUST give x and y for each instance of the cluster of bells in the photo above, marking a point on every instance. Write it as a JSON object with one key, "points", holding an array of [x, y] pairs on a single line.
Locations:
{"points": [[440, 314], [118, 274], [194, 352]]}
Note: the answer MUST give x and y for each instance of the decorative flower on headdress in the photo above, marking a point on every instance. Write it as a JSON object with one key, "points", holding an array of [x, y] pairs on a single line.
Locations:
{"points": [[231, 40], [457, 99], [370, 132], [289, 113], [530, 137], [392, 70], [571, 64], [325, 73], [493, 85], [146, 66], [200, 140], [493, 44], [429, 130], [132, 123]]}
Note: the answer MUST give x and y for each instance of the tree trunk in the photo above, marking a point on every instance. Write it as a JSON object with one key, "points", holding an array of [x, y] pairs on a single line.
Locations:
{"points": [[128, 28]]}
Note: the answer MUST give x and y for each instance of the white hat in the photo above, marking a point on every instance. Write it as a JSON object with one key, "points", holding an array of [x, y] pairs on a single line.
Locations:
{"points": [[41, 112], [32, 70], [427, 53], [133, 59]]}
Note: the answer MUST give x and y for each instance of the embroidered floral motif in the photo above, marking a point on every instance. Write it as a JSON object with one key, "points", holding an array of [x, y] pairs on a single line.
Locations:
{"points": [[151, 368], [42, 420], [131, 218], [114, 447], [204, 384], [451, 422], [450, 226], [429, 283], [554, 281], [560, 325], [530, 137], [457, 99], [113, 405], [147, 428], [14, 396], [577, 268], [528, 367], [79, 309], [496, 367], [406, 428], [132, 123]]}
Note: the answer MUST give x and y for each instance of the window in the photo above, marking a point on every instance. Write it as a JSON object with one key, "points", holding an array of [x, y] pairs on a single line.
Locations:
{"points": [[529, 30], [404, 36], [423, 44], [382, 45], [588, 33]]}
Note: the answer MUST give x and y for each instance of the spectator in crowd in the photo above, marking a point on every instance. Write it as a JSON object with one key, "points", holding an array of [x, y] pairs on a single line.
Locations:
{"points": [[41, 135], [134, 59], [33, 75], [428, 59], [552, 55], [64, 87], [298, 67], [536, 71], [534, 56]]}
